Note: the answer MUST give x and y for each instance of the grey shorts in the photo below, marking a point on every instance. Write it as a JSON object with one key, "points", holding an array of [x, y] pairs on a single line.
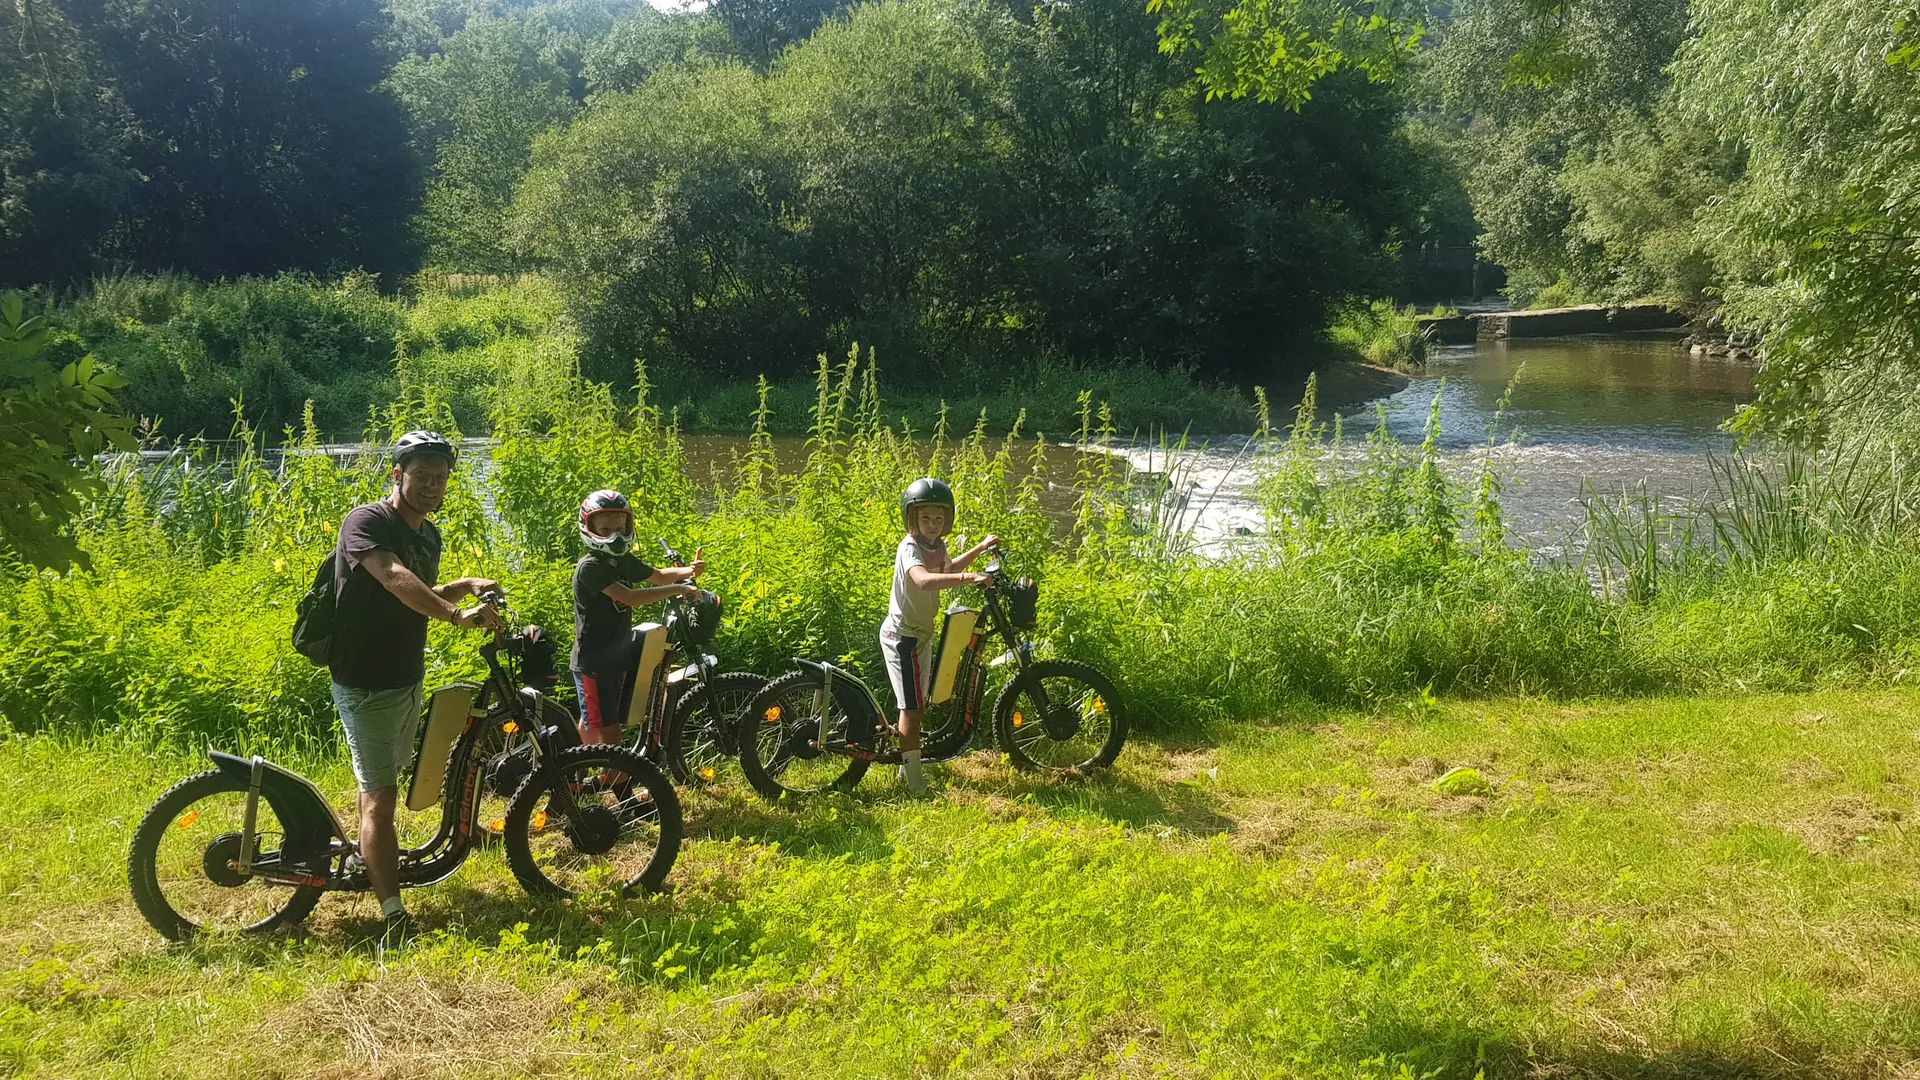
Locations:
{"points": [[380, 726]]}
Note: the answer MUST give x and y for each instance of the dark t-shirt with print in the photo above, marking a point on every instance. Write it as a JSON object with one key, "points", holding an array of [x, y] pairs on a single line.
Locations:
{"points": [[600, 626], [379, 643]]}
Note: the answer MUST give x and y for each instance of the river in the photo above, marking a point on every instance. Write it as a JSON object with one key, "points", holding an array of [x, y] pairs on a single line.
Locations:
{"points": [[1616, 412]]}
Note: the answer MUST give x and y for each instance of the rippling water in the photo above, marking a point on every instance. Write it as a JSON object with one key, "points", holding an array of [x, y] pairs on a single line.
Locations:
{"points": [[1616, 412]]}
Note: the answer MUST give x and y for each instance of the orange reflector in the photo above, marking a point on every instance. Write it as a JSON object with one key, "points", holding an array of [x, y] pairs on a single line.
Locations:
{"points": [[707, 773], [497, 825], [510, 728], [539, 819], [187, 819], [1019, 719], [1099, 705], [773, 715]]}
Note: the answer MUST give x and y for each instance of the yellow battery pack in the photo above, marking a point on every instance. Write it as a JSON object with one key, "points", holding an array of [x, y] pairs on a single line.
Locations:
{"points": [[653, 652], [447, 710], [956, 633]]}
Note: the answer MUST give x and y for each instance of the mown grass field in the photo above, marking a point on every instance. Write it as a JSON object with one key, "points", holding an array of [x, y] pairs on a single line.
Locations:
{"points": [[1659, 887]]}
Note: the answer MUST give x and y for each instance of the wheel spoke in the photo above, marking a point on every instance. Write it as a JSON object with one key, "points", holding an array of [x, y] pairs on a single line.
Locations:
{"points": [[612, 836], [195, 865]]}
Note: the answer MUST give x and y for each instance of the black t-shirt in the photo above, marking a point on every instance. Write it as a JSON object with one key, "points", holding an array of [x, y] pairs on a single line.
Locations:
{"points": [[379, 643], [600, 626]]}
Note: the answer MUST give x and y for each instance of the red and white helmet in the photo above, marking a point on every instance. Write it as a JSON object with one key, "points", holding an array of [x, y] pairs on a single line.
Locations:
{"points": [[604, 502]]}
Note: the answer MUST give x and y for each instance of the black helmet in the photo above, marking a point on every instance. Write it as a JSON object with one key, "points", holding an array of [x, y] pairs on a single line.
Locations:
{"points": [[604, 501], [418, 443], [925, 491]]}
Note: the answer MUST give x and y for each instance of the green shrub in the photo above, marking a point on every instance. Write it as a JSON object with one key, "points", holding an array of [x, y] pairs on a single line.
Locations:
{"points": [[1378, 578], [1381, 333], [191, 349]]}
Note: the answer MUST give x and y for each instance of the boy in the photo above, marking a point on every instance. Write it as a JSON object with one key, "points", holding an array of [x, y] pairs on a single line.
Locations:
{"points": [[920, 570], [604, 596]]}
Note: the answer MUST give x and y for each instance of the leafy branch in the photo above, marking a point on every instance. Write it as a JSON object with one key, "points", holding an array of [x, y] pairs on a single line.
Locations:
{"points": [[53, 422]]}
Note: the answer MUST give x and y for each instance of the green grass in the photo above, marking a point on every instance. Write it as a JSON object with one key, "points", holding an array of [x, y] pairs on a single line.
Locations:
{"points": [[1665, 887], [1381, 333]]}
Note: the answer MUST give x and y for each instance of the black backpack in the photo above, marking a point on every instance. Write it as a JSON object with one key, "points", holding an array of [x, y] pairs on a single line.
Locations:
{"points": [[313, 621]]}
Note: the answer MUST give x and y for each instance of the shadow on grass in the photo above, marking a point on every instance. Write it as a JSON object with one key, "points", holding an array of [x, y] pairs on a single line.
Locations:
{"points": [[1118, 799], [825, 827], [1468, 1049]]}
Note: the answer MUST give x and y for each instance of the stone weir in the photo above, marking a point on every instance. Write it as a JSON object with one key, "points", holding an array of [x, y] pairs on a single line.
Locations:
{"points": [[1584, 319]]}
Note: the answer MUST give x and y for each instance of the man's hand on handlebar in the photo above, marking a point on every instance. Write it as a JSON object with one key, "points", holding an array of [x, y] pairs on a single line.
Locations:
{"points": [[484, 617]]}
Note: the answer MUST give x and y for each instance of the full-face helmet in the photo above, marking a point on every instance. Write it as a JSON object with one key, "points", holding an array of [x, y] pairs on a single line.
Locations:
{"points": [[620, 539]]}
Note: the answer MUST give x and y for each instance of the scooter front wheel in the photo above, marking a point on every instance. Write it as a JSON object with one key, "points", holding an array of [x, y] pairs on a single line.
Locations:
{"points": [[182, 864], [780, 750], [695, 746], [593, 820], [1060, 715]]}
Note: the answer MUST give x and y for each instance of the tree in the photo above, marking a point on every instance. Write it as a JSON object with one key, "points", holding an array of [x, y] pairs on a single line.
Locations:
{"points": [[64, 173], [1276, 50], [1821, 235], [263, 136], [763, 29], [1169, 223], [964, 185], [649, 42], [53, 422], [476, 108], [670, 216], [1532, 89]]}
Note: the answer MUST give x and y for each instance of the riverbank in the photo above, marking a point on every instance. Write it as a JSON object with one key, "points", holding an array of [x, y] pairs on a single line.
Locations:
{"points": [[1661, 887]]}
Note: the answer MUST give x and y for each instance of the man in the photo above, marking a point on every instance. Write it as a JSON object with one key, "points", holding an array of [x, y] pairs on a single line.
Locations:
{"points": [[384, 576]]}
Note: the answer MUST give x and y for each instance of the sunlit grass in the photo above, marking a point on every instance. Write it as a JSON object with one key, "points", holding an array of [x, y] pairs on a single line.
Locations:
{"points": [[1666, 887]]}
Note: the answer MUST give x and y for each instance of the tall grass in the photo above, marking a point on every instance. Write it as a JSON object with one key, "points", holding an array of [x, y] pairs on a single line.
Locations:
{"points": [[1381, 333], [1378, 577]]}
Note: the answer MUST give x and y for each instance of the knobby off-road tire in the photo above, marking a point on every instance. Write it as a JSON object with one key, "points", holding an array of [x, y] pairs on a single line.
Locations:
{"points": [[776, 736], [630, 826], [1082, 705], [196, 823], [694, 749]]}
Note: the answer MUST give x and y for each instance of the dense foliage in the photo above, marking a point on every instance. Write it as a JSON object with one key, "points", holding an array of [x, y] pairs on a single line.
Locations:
{"points": [[959, 186], [1378, 578], [1750, 159], [199, 356], [969, 185], [54, 420], [215, 137]]}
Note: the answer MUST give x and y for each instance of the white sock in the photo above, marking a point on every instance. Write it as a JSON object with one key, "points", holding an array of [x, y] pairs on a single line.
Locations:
{"points": [[392, 906], [910, 771]]}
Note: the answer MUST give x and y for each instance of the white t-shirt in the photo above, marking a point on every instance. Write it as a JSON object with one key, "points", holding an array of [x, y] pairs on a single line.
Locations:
{"points": [[914, 611]]}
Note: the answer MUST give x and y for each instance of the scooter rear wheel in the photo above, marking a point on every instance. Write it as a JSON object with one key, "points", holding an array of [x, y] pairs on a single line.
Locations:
{"points": [[181, 863]]}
